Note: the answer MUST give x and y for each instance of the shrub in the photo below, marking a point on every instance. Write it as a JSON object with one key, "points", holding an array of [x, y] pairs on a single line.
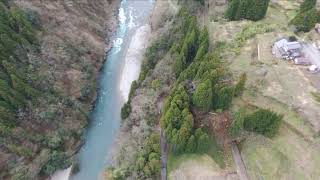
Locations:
{"points": [[155, 84], [263, 122], [133, 88], [54, 141]]}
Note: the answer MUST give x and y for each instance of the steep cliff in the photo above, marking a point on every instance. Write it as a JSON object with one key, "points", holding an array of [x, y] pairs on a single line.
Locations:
{"points": [[57, 49]]}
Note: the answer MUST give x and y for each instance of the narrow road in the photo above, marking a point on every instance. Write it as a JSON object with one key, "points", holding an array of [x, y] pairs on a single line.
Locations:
{"points": [[163, 158], [241, 169]]}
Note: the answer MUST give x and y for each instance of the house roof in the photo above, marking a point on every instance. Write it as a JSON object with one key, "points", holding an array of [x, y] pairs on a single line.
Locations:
{"points": [[292, 45], [281, 43]]}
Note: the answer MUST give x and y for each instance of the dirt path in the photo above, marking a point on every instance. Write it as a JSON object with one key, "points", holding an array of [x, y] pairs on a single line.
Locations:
{"points": [[163, 158], [241, 169]]}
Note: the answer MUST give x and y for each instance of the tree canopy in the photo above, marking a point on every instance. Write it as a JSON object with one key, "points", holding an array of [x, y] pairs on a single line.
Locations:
{"points": [[306, 20], [307, 17], [202, 97], [247, 9]]}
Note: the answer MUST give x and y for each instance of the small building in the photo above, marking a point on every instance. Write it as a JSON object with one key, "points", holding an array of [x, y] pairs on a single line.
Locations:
{"points": [[283, 48], [292, 46], [301, 61]]}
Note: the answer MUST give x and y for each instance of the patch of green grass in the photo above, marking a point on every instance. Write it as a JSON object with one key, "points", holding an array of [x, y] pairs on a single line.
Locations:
{"points": [[187, 161], [286, 156], [174, 161], [216, 153], [250, 31], [290, 116]]}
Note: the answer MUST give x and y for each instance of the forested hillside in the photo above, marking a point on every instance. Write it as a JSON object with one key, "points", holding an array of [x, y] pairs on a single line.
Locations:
{"points": [[41, 116], [18, 78]]}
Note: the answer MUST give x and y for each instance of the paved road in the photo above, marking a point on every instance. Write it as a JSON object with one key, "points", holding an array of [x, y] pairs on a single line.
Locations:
{"points": [[163, 147], [241, 169]]}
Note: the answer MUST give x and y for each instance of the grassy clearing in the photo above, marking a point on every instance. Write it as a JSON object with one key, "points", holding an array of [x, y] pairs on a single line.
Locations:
{"points": [[290, 116], [215, 153], [276, 85], [192, 166], [287, 156], [281, 87]]}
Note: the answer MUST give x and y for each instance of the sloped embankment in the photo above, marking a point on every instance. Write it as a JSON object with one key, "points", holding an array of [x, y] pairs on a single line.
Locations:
{"points": [[53, 51]]}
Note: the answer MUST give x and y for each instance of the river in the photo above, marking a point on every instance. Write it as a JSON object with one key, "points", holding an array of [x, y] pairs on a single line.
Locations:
{"points": [[121, 67]]}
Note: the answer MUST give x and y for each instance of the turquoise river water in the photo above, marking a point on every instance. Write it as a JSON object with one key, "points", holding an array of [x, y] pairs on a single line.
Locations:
{"points": [[105, 118]]}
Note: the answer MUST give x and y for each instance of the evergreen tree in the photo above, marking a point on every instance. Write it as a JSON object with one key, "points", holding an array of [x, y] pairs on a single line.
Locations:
{"points": [[222, 97], [203, 143], [202, 97], [191, 145], [232, 10], [256, 9], [247, 9], [202, 139], [180, 64], [306, 20]]}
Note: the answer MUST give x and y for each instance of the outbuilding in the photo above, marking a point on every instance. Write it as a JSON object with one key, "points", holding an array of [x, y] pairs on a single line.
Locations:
{"points": [[284, 49]]}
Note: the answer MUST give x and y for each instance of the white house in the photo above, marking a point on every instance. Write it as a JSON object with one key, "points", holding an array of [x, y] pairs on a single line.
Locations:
{"points": [[284, 48]]}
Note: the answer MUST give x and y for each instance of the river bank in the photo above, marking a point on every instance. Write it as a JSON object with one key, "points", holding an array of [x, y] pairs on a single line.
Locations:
{"points": [[144, 102], [133, 59]]}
